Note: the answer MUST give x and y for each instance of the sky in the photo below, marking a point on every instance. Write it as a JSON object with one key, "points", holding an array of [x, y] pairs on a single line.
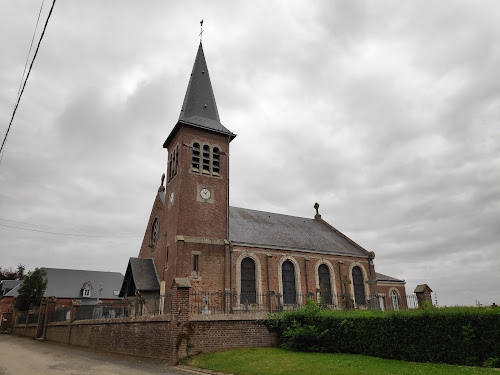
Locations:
{"points": [[386, 113]]}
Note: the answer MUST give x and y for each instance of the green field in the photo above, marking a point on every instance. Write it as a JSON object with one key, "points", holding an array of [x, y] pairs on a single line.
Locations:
{"points": [[258, 361]]}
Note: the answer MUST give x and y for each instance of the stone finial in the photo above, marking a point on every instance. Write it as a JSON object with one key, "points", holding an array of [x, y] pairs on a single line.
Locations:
{"points": [[317, 216], [162, 188]]}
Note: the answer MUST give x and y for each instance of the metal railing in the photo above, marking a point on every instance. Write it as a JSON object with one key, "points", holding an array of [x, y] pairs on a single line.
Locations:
{"points": [[225, 302], [143, 306], [22, 317], [33, 318], [60, 314]]}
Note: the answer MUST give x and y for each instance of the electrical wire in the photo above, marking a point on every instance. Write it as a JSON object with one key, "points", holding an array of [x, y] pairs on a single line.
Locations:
{"points": [[64, 234], [2, 148], [29, 52]]}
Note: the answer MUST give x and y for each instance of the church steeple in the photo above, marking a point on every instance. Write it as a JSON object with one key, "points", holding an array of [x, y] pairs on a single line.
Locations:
{"points": [[199, 108]]}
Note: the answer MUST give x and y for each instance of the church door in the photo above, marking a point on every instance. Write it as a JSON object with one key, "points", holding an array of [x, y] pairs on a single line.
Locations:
{"points": [[248, 289], [359, 286], [288, 279], [325, 288]]}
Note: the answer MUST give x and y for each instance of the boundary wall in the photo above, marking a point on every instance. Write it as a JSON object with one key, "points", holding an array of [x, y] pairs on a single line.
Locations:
{"points": [[169, 336]]}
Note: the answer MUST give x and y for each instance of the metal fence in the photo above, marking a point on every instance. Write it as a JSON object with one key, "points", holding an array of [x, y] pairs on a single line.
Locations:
{"points": [[60, 314], [144, 306], [33, 318], [225, 302], [22, 317]]}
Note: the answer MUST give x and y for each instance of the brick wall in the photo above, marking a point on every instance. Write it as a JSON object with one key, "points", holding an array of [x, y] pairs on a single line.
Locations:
{"points": [[213, 335]]}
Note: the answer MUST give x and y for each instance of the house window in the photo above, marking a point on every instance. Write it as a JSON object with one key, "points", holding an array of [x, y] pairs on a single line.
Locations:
{"points": [[195, 263], [86, 292], [215, 160], [325, 288], [248, 286], [196, 156], [359, 286], [288, 279], [206, 158], [395, 300]]}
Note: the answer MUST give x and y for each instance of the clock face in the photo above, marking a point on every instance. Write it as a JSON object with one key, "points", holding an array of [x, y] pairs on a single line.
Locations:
{"points": [[171, 197], [205, 193]]}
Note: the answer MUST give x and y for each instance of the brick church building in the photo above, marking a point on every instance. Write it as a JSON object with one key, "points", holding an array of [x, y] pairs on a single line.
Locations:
{"points": [[194, 233]]}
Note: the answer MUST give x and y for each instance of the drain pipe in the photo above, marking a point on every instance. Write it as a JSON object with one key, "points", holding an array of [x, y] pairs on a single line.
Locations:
{"points": [[231, 250]]}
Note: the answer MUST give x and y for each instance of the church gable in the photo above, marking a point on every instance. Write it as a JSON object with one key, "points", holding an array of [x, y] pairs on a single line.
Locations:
{"points": [[152, 234]]}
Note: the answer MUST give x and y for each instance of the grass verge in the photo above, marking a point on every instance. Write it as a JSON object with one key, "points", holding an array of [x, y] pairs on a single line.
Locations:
{"points": [[262, 361]]}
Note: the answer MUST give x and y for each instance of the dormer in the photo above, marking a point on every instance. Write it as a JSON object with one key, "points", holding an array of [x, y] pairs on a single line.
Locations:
{"points": [[87, 289]]}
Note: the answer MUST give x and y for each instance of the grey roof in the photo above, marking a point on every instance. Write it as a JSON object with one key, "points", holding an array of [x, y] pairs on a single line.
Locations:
{"points": [[422, 288], [382, 277], [8, 285], [67, 283], [290, 232], [143, 272], [199, 108]]}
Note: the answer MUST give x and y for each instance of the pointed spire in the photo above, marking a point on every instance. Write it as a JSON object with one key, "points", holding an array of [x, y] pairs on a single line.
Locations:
{"points": [[199, 108], [199, 99]]}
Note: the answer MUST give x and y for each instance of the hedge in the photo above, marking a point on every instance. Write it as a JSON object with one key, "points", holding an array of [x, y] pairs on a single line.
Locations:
{"points": [[464, 336]]}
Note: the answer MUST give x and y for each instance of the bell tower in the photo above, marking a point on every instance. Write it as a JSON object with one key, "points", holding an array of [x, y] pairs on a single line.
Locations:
{"points": [[197, 180]]}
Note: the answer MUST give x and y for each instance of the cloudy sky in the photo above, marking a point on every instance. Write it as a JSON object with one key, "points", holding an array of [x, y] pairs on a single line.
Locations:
{"points": [[385, 113]]}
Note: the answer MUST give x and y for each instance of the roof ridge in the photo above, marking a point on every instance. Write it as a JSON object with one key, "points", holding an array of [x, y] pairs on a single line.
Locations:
{"points": [[274, 213]]}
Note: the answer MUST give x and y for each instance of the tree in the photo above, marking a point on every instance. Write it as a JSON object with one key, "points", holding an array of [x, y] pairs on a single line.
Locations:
{"points": [[10, 274], [31, 290], [20, 271]]}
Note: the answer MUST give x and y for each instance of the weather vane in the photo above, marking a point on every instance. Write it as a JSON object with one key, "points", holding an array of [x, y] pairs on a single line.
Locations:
{"points": [[201, 27]]}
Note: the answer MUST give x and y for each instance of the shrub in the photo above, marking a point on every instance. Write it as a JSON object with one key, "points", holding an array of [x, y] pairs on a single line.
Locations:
{"points": [[468, 336]]}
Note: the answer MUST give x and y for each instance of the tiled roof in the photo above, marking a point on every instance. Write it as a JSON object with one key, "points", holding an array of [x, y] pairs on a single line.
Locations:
{"points": [[67, 283], [199, 108], [143, 272], [382, 277], [289, 232]]}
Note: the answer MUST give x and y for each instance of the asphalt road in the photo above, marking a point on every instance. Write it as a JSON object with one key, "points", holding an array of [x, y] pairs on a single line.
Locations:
{"points": [[21, 355]]}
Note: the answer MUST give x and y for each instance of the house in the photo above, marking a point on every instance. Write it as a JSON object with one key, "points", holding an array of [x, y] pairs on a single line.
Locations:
{"points": [[194, 233], [67, 285]]}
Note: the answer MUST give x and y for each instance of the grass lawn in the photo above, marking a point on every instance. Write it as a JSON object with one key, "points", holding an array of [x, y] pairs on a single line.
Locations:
{"points": [[253, 361]]}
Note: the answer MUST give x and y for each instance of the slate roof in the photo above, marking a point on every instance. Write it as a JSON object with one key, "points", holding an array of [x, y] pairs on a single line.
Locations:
{"points": [[199, 108], [143, 272], [289, 232], [8, 285], [382, 277], [67, 283]]}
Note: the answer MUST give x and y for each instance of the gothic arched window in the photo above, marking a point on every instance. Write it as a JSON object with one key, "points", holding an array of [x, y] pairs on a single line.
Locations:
{"points": [[195, 162], [359, 286], [206, 158], [248, 286], [395, 300], [288, 279], [325, 287], [155, 230], [215, 160]]}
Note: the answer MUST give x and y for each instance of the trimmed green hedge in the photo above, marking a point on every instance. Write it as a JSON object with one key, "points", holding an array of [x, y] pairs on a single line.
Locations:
{"points": [[466, 336]]}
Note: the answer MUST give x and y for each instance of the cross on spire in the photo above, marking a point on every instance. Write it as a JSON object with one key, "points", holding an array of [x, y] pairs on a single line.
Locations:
{"points": [[201, 30]]}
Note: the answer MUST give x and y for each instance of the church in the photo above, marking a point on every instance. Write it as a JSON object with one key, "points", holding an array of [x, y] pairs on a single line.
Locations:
{"points": [[193, 233]]}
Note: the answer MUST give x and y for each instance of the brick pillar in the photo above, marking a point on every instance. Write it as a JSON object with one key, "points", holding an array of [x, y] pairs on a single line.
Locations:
{"points": [[179, 323]]}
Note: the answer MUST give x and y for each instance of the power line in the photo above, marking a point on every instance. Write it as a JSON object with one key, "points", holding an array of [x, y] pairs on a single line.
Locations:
{"points": [[64, 234], [29, 52], [2, 148], [46, 226]]}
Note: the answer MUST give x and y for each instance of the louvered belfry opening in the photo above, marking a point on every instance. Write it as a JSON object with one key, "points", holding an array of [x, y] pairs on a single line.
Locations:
{"points": [[359, 287], [325, 287], [248, 287], [288, 279]]}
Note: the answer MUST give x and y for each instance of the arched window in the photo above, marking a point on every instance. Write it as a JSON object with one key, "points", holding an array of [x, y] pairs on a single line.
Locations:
{"points": [[325, 287], [248, 286], [395, 300], [206, 158], [196, 156], [215, 160], [176, 160], [359, 286], [288, 279], [155, 230]]}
